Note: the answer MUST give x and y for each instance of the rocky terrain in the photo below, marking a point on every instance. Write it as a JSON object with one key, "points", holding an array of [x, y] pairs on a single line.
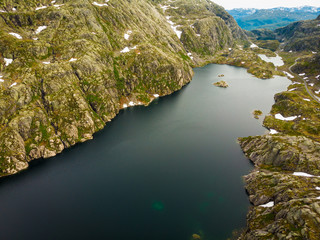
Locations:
{"points": [[221, 84], [68, 67], [284, 187]]}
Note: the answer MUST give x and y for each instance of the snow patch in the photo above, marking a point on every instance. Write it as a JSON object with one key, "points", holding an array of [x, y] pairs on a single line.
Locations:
{"points": [[302, 174], [127, 49], [8, 61], [131, 104], [302, 74], [306, 99], [73, 59], [253, 45], [13, 84], [101, 4], [190, 55], [288, 74], [164, 7], [40, 29], [46, 63], [174, 27], [58, 6], [156, 95], [280, 117], [124, 105], [273, 131], [39, 8], [16, 35], [267, 205], [127, 35], [311, 84]]}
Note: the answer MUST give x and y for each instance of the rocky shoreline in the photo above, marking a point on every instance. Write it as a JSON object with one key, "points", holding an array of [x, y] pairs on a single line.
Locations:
{"points": [[287, 175], [284, 186]]}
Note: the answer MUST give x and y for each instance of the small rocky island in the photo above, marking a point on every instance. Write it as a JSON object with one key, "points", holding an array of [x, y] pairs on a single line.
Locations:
{"points": [[222, 84], [257, 114], [221, 75]]}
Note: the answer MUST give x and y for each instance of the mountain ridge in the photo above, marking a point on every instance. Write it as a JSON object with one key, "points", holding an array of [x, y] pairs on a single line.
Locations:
{"points": [[272, 18]]}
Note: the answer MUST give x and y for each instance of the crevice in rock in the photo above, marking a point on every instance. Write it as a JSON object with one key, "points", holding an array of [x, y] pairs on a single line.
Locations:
{"points": [[84, 92], [47, 109]]}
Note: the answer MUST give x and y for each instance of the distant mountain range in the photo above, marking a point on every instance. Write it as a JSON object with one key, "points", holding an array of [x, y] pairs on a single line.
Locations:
{"points": [[298, 36], [251, 18]]}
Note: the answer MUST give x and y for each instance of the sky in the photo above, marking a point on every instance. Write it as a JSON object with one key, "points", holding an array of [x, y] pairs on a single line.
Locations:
{"points": [[229, 4]]}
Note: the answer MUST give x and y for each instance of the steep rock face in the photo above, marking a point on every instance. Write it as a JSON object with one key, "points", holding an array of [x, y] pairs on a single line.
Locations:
{"points": [[284, 188], [68, 67]]}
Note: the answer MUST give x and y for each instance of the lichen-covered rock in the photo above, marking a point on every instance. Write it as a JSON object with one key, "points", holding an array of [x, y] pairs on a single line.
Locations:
{"points": [[288, 175], [290, 153]]}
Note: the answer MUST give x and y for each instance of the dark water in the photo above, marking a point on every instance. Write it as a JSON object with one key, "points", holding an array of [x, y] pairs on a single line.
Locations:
{"points": [[161, 172]]}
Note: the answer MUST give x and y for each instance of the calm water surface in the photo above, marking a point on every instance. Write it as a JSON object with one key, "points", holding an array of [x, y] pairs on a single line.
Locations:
{"points": [[277, 61], [162, 172]]}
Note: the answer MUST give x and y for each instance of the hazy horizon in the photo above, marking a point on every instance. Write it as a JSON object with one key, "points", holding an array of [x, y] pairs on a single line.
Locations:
{"points": [[231, 4]]}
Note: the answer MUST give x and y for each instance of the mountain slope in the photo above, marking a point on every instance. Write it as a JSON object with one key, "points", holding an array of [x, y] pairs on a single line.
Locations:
{"points": [[299, 36], [250, 19], [68, 67]]}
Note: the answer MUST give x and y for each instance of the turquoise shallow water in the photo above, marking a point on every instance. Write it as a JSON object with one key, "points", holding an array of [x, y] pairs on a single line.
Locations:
{"points": [[165, 171]]}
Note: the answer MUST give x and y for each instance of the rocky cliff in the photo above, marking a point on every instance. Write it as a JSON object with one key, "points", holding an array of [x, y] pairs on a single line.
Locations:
{"points": [[67, 67]]}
